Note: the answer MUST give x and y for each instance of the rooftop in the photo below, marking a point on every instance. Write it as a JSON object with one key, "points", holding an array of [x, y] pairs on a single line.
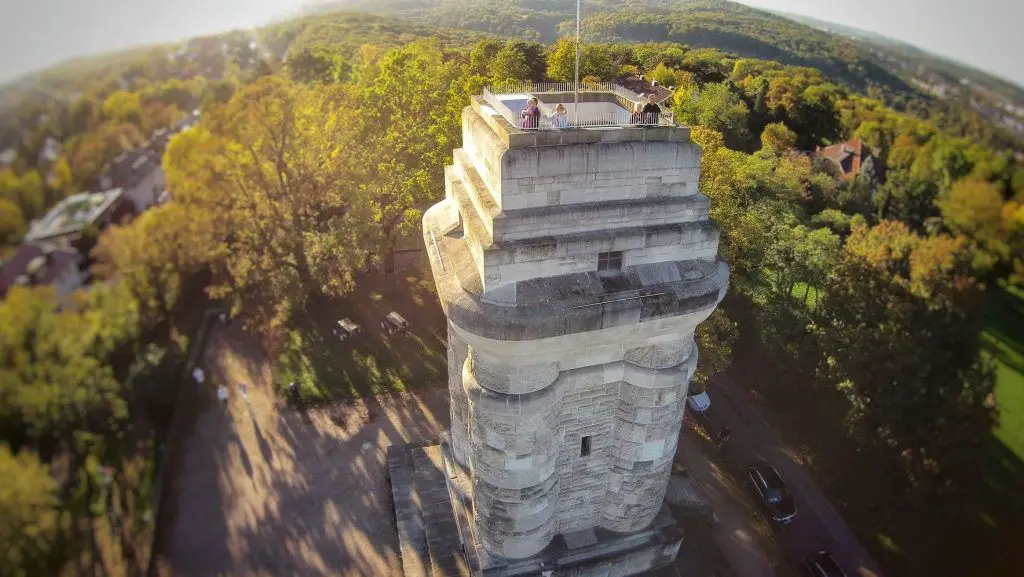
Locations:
{"points": [[33, 264], [602, 105], [73, 214]]}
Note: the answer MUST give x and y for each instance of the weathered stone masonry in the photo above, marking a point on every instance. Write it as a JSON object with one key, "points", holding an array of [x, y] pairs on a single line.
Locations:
{"points": [[568, 382]]}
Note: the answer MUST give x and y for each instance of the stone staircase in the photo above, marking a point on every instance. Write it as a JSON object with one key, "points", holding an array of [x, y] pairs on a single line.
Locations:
{"points": [[427, 533]]}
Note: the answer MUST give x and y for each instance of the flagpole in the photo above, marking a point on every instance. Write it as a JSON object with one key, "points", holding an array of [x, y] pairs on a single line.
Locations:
{"points": [[576, 85]]}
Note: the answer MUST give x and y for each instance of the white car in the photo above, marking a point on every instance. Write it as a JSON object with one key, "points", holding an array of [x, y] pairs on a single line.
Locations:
{"points": [[699, 403]]}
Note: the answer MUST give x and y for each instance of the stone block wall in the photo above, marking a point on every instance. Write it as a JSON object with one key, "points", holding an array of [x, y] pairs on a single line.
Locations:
{"points": [[575, 428], [518, 424]]}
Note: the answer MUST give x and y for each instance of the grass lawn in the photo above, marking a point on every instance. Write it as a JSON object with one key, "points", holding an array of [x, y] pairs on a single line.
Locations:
{"points": [[327, 368], [1004, 340]]}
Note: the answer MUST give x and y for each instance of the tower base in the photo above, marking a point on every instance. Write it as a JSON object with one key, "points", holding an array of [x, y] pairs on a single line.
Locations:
{"points": [[434, 517]]}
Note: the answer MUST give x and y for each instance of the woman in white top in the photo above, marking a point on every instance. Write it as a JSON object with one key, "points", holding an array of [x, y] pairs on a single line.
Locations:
{"points": [[560, 119]]}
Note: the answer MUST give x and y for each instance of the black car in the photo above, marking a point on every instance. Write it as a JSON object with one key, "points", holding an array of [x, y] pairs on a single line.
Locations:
{"points": [[771, 491], [821, 564]]}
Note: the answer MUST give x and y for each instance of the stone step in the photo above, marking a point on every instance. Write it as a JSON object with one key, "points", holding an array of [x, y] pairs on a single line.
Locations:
{"points": [[475, 226], [443, 543], [412, 535], [487, 207]]}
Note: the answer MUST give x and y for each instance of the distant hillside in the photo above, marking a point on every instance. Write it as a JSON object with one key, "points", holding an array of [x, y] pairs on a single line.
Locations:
{"points": [[728, 26], [897, 48]]}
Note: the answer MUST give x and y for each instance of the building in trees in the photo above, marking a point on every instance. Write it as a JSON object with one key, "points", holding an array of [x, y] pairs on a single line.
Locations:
{"points": [[139, 175], [77, 214], [574, 267], [850, 157], [34, 265]]}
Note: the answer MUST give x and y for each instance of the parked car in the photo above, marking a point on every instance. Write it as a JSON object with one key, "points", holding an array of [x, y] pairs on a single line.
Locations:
{"points": [[345, 328], [699, 403], [771, 492], [821, 564], [393, 324]]}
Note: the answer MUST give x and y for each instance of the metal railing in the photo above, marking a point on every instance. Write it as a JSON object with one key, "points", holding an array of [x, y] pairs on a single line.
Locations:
{"points": [[547, 119]]}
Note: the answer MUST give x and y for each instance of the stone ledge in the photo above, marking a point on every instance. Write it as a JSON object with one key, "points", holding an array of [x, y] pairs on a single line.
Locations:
{"points": [[601, 553], [562, 305]]}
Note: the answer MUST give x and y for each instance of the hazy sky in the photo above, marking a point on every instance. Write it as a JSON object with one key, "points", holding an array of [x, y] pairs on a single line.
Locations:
{"points": [[37, 33], [986, 34]]}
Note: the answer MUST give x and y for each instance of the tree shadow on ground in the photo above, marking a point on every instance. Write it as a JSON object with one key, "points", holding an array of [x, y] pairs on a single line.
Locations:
{"points": [[318, 501], [909, 534], [328, 368]]}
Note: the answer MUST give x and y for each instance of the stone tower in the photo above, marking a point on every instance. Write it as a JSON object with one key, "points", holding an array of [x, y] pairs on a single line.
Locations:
{"points": [[573, 266]]}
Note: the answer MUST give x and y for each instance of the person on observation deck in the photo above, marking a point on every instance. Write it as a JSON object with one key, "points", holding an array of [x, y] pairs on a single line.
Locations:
{"points": [[531, 114], [560, 119], [650, 112]]}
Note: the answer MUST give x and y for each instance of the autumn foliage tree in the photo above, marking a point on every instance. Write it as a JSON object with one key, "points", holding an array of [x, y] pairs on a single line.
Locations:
{"points": [[899, 321], [277, 170]]}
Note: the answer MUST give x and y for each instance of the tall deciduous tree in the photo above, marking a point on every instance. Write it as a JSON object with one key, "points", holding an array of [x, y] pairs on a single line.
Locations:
{"points": [[777, 138], [56, 370], [509, 63], [28, 516], [278, 167], [12, 223], [716, 107], [155, 255], [594, 61], [899, 321], [409, 120]]}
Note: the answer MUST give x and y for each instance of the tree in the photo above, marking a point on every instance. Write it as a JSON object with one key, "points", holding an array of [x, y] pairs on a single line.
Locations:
{"points": [[594, 61], [715, 107], [56, 374], [317, 64], [482, 54], [92, 152], [509, 63], [12, 223], [899, 319], [715, 338], [975, 209], [123, 106], [28, 516], [679, 79], [25, 191], [155, 255], [777, 138], [278, 169], [409, 121]]}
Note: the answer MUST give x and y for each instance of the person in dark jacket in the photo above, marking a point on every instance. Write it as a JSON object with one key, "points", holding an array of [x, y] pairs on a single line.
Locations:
{"points": [[531, 114], [650, 112]]}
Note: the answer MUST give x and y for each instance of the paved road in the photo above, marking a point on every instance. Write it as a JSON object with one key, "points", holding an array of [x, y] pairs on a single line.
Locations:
{"points": [[264, 491], [817, 525]]}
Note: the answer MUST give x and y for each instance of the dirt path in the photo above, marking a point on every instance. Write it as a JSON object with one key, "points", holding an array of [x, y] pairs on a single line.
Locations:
{"points": [[265, 490]]}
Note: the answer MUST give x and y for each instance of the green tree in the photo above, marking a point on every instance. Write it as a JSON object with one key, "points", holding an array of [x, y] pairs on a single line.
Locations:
{"points": [[595, 61], [28, 516], [25, 191], [976, 209], [278, 169], [714, 106], [899, 321], [155, 255], [12, 223], [317, 64], [409, 122], [777, 138], [482, 54], [123, 106], [715, 338], [56, 372], [509, 63]]}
